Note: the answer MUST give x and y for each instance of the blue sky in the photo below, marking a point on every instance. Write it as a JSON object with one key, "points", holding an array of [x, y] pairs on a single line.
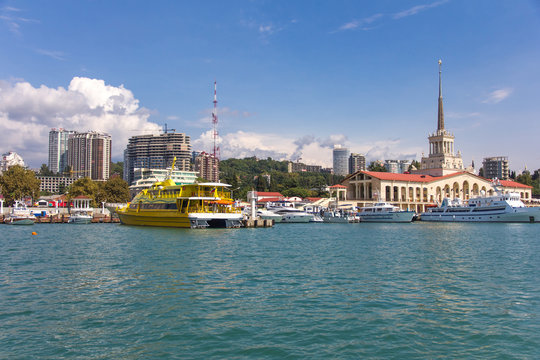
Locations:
{"points": [[294, 77]]}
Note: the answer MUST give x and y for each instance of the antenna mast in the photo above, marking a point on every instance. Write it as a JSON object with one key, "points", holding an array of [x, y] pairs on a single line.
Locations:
{"points": [[215, 123]]}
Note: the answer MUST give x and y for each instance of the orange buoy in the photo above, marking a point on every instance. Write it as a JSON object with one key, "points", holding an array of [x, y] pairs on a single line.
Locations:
{"points": [[34, 233]]}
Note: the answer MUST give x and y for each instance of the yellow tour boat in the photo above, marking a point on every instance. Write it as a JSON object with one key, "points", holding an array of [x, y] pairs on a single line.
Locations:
{"points": [[199, 205]]}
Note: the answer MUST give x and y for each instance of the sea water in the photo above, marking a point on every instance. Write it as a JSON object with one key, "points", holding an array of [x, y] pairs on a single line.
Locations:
{"points": [[402, 291]]}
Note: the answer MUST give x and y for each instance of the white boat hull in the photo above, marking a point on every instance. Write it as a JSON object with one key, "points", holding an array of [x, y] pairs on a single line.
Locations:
{"points": [[296, 218], [397, 217], [21, 221], [80, 220], [523, 215]]}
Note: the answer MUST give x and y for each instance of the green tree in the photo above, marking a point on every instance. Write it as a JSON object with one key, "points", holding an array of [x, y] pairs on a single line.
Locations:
{"points": [[376, 166], [525, 178], [416, 164], [114, 190], [62, 188], [117, 168], [44, 171], [18, 182], [84, 186]]}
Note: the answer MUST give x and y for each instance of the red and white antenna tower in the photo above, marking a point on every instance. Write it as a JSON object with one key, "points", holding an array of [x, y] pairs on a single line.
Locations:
{"points": [[215, 123]]}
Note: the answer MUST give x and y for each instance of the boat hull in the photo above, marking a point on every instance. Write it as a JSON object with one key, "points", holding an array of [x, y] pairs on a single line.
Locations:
{"points": [[521, 215], [20, 221], [389, 217], [296, 218], [174, 219], [80, 220]]}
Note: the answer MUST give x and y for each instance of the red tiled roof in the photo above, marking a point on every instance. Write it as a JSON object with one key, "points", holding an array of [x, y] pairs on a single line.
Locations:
{"points": [[270, 199], [399, 177], [338, 186], [510, 183], [313, 199], [82, 197], [262, 193]]}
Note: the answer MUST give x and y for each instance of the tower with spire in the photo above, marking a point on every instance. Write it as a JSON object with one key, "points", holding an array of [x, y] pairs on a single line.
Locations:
{"points": [[441, 159]]}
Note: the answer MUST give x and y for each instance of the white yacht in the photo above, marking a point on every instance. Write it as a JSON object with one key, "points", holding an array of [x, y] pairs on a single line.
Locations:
{"points": [[336, 217], [289, 213], [81, 213], [498, 208], [80, 217], [20, 215], [385, 212]]}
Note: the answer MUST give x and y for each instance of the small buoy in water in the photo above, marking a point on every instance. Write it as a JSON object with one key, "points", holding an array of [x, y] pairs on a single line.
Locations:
{"points": [[34, 233]]}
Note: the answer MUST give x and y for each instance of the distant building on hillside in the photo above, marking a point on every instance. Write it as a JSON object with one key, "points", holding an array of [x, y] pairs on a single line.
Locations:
{"points": [[10, 159], [58, 149], [496, 167], [301, 167], [340, 160], [207, 166], [157, 152], [357, 162], [52, 184]]}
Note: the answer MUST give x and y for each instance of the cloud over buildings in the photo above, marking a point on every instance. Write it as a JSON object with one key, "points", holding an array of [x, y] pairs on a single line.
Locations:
{"points": [[27, 114]]}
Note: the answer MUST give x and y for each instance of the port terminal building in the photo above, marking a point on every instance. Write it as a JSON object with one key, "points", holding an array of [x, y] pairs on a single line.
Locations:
{"points": [[442, 175]]}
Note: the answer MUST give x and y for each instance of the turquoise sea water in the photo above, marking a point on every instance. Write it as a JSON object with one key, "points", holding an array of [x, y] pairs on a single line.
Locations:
{"points": [[401, 291]]}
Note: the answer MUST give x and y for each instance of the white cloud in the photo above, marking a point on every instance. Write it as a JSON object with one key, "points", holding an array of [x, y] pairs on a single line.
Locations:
{"points": [[497, 96], [308, 149], [360, 23], [28, 113], [57, 55], [416, 9]]}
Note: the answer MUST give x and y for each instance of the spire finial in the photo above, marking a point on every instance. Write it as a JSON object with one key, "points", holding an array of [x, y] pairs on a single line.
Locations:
{"points": [[440, 115]]}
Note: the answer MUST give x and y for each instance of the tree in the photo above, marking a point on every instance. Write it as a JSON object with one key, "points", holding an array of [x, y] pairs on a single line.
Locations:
{"points": [[84, 186], [415, 164], [525, 178], [117, 168], [18, 182], [376, 166], [114, 190], [44, 171], [481, 172]]}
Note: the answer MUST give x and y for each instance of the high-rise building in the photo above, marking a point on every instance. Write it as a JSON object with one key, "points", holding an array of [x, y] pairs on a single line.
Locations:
{"points": [[207, 166], [496, 167], [89, 155], [156, 152], [442, 159], [341, 160], [357, 162], [10, 159], [58, 149]]}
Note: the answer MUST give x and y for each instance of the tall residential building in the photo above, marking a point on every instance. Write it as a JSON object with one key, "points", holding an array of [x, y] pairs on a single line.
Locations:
{"points": [[496, 167], [207, 166], [397, 166], [357, 162], [58, 149], [89, 155], [156, 152], [341, 160], [10, 159], [441, 159]]}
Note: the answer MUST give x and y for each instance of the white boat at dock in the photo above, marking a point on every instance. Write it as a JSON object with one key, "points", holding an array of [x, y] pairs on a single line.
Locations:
{"points": [[289, 213], [385, 212], [502, 207], [20, 215]]}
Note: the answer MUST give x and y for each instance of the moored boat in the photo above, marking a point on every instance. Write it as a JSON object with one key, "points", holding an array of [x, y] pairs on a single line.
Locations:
{"points": [[385, 212], [20, 215], [80, 217], [502, 207], [199, 205]]}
